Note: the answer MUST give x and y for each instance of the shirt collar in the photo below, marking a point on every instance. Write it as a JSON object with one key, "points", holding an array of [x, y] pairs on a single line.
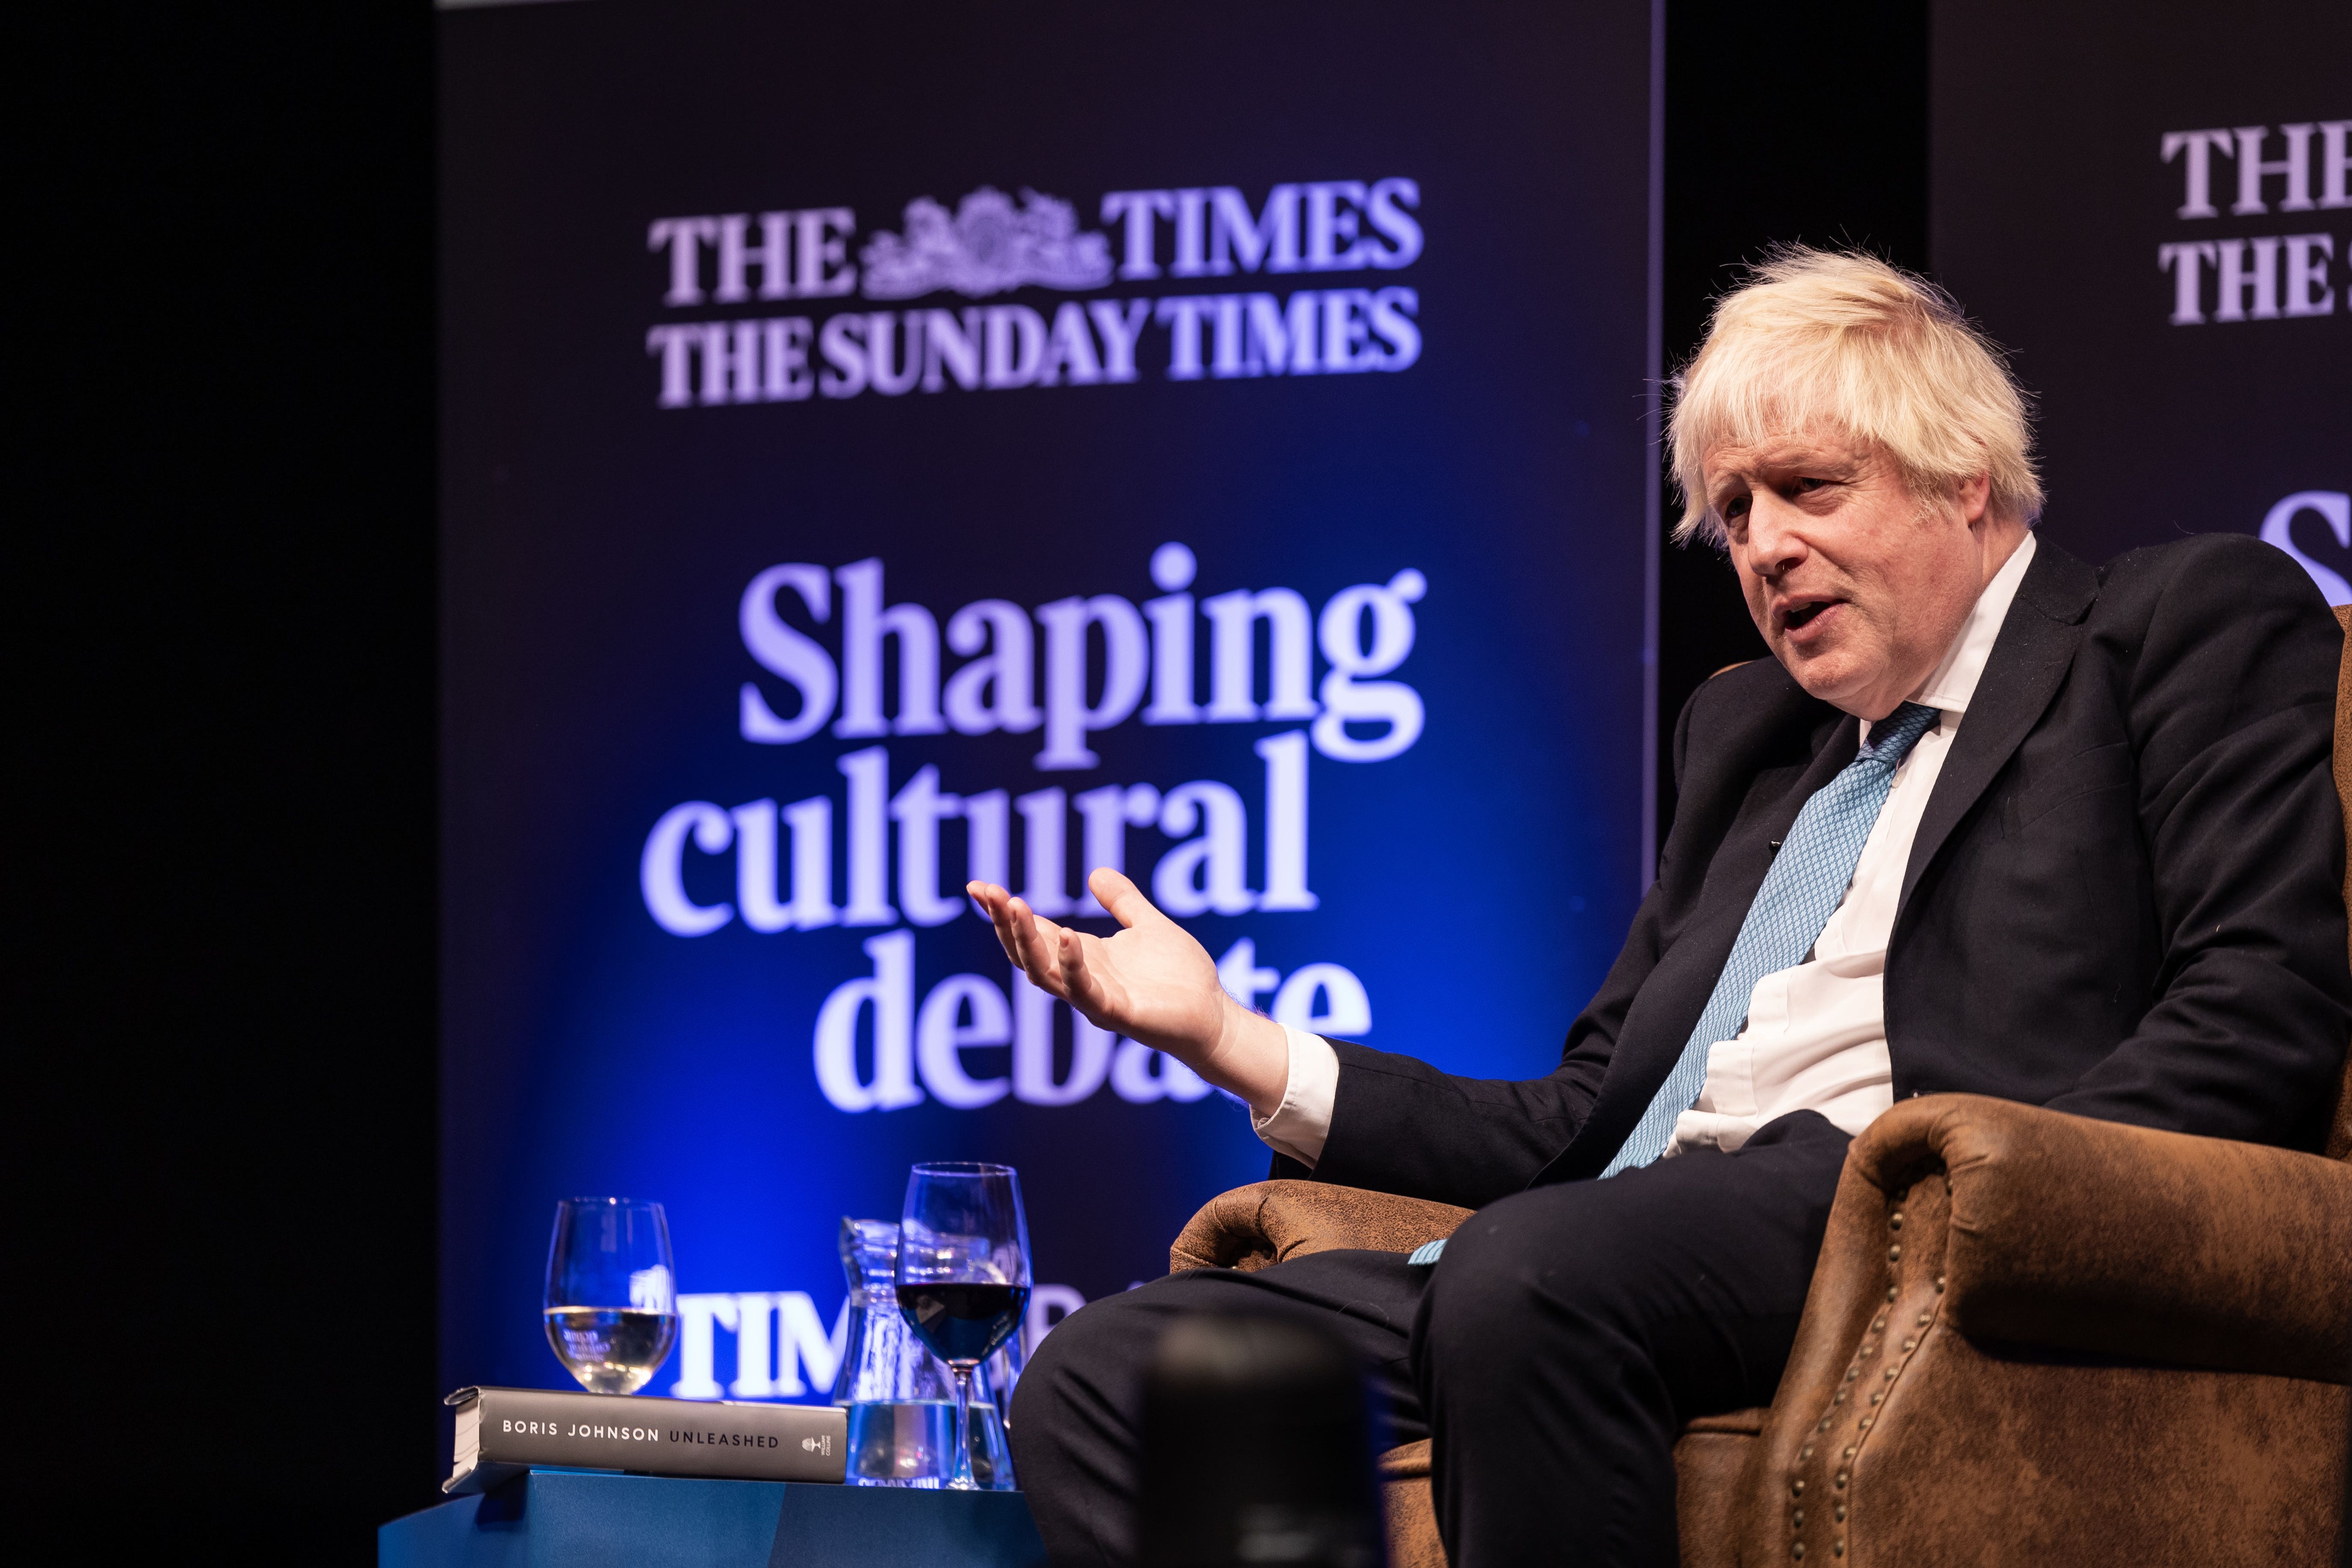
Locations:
{"points": [[1955, 680]]}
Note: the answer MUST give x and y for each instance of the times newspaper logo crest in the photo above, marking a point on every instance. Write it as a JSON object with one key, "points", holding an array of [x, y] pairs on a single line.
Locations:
{"points": [[988, 247], [723, 267]]}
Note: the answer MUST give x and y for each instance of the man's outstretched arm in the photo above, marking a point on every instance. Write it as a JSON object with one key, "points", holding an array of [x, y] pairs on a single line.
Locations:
{"points": [[1399, 1125], [1373, 1119], [1151, 981], [1403, 1126]]}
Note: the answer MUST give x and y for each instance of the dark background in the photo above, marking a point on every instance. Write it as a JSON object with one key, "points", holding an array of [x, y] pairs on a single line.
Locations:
{"points": [[224, 576], [223, 561], [1784, 123]]}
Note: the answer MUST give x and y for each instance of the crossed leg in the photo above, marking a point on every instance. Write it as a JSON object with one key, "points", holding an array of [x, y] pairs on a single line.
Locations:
{"points": [[1553, 1353]]}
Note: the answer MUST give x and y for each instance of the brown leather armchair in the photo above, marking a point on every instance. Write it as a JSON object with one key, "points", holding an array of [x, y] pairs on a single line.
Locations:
{"points": [[2031, 1337]]}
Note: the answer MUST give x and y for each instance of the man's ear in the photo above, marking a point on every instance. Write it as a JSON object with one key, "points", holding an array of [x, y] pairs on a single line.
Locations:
{"points": [[1974, 496]]}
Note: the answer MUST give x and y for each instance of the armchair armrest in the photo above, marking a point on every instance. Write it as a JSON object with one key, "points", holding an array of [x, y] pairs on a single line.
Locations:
{"points": [[1994, 1284], [1266, 1222], [2079, 1235]]}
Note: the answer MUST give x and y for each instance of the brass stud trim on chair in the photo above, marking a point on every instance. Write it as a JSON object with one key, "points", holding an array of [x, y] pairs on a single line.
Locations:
{"points": [[1891, 1365]]}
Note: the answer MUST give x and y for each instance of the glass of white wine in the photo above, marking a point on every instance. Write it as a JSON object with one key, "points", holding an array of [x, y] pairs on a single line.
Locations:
{"points": [[611, 1292]]}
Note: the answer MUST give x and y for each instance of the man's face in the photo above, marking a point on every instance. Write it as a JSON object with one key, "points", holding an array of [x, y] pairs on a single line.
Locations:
{"points": [[1858, 586]]}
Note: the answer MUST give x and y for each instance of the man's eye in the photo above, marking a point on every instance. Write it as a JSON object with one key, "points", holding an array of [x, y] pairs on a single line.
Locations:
{"points": [[1810, 484], [1735, 506]]}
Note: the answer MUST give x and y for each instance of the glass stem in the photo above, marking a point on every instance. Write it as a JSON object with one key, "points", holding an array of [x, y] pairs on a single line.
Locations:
{"points": [[959, 1477]]}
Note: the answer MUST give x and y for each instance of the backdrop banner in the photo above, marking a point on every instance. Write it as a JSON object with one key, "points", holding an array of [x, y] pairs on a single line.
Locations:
{"points": [[892, 446], [2149, 206]]}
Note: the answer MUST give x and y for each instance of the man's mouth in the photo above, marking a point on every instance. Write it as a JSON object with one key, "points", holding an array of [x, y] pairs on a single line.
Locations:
{"points": [[1798, 616]]}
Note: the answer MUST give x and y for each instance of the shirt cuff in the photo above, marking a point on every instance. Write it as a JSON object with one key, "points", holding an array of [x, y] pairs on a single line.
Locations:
{"points": [[1303, 1120]]}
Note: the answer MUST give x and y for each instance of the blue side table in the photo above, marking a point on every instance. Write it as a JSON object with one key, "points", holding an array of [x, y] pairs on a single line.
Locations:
{"points": [[588, 1519]]}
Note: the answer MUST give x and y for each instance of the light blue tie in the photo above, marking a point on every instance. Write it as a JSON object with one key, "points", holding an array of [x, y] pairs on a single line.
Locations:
{"points": [[1804, 887], [1807, 881]]}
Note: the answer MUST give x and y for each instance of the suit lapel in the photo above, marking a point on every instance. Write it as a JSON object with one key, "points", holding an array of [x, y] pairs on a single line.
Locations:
{"points": [[1668, 1009], [2029, 662]]}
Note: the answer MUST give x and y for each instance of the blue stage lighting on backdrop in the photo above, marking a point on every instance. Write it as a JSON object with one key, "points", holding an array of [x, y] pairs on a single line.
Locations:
{"points": [[885, 450]]}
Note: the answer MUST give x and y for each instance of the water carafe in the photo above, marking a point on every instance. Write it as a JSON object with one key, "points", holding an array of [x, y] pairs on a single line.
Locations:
{"points": [[900, 1398]]}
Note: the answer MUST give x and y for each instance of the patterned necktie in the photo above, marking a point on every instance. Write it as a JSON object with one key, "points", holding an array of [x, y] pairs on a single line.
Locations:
{"points": [[1807, 882]]}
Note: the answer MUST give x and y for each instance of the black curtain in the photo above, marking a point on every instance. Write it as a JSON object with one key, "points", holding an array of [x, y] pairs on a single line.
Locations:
{"points": [[222, 568], [1784, 122]]}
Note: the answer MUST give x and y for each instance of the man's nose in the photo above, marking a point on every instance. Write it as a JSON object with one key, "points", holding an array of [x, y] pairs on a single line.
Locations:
{"points": [[1775, 547]]}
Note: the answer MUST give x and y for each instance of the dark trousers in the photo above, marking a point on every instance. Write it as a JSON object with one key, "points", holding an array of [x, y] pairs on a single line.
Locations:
{"points": [[1553, 1353]]}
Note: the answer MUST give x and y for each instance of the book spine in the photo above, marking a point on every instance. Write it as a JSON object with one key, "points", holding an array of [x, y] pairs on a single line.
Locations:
{"points": [[664, 1437]]}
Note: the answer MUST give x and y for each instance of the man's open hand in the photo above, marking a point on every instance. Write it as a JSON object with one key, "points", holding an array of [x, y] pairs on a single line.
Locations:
{"points": [[1151, 981]]}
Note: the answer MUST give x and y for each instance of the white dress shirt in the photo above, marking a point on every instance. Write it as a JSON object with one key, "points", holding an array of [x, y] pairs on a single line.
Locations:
{"points": [[1815, 1035]]}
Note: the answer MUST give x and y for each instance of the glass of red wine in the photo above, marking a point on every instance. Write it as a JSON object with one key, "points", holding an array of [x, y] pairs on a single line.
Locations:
{"points": [[963, 1275]]}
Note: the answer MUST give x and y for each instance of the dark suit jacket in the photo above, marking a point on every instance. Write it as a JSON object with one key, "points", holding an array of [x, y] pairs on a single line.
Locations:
{"points": [[2124, 900]]}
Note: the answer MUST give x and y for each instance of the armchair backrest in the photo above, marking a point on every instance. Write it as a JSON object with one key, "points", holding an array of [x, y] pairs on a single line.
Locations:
{"points": [[2339, 1136]]}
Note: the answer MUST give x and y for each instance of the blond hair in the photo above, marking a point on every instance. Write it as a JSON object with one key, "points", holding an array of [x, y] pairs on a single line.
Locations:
{"points": [[1826, 340]]}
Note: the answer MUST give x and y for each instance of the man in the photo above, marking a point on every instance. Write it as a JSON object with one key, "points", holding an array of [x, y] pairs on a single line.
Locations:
{"points": [[1989, 821]]}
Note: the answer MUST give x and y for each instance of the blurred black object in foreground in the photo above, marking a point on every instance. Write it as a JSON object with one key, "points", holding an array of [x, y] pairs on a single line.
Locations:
{"points": [[1258, 1448]]}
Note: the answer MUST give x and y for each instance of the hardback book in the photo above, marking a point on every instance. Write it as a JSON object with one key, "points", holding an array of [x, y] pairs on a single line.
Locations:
{"points": [[503, 1432]]}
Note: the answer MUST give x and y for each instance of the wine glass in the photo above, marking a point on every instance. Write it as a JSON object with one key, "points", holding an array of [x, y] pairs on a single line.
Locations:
{"points": [[963, 1275], [612, 1302]]}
